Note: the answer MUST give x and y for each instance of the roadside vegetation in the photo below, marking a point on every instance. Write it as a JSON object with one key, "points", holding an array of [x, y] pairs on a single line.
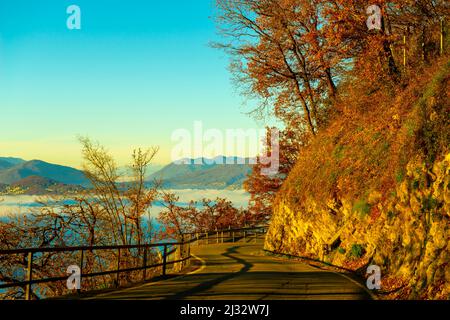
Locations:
{"points": [[364, 152]]}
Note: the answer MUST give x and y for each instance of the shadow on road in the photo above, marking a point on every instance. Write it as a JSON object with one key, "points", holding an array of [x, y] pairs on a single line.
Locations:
{"points": [[246, 266], [236, 273]]}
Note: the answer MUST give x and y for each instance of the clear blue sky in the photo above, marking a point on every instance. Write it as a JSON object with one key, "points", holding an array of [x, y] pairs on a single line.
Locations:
{"points": [[134, 73]]}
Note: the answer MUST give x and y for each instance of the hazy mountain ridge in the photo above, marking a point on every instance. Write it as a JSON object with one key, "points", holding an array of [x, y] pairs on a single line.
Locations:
{"points": [[11, 160], [203, 173], [37, 177], [13, 170]]}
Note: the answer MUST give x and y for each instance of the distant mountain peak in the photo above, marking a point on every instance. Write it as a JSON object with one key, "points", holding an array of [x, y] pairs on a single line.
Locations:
{"points": [[12, 160], [24, 169]]}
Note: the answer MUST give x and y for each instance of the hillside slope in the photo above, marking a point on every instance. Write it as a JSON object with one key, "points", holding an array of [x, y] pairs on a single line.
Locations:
{"points": [[12, 160], [5, 164], [9, 162], [374, 188], [35, 185], [62, 174]]}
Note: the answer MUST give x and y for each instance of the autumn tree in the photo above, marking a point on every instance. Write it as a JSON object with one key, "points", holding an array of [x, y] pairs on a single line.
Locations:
{"points": [[279, 54], [108, 212], [263, 187], [219, 214], [204, 216], [292, 54], [297, 55], [377, 54], [176, 219], [124, 204]]}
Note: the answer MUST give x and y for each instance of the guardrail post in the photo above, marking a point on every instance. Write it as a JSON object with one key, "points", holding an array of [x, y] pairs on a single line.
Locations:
{"points": [[221, 237], [182, 251], [29, 275], [189, 253], [164, 260], [118, 269], [27, 285], [81, 269], [144, 265]]}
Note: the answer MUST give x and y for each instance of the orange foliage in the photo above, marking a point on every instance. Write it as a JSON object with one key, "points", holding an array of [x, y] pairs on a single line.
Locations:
{"points": [[209, 215]]}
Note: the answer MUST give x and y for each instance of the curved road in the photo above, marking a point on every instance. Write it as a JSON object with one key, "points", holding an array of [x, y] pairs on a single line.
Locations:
{"points": [[239, 271]]}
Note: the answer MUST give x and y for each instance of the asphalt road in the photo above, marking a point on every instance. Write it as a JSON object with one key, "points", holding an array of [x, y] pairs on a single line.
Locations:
{"points": [[239, 271]]}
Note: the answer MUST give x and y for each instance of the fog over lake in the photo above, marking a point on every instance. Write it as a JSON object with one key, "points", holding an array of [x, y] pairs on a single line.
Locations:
{"points": [[13, 205]]}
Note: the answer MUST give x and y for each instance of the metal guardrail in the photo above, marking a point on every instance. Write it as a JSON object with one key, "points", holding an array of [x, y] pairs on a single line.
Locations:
{"points": [[30, 253], [218, 235]]}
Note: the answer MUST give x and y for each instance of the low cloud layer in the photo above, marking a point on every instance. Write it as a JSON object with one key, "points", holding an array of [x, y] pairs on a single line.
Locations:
{"points": [[13, 205]]}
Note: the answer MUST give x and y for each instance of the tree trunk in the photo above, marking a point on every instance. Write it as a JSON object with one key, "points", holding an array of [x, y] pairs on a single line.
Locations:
{"points": [[330, 82], [305, 109]]}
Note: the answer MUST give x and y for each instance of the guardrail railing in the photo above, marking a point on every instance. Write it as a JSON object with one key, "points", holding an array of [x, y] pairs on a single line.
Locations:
{"points": [[219, 236], [208, 237]]}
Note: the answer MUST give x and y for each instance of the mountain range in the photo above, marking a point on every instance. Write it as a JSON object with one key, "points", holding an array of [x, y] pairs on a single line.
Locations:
{"points": [[40, 177], [13, 170], [203, 173]]}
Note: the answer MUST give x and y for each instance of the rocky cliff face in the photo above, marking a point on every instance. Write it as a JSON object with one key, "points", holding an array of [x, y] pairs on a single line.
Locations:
{"points": [[401, 216], [408, 237]]}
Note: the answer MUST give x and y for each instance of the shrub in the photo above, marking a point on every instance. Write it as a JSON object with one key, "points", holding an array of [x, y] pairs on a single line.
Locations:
{"points": [[400, 175], [357, 251], [391, 214], [362, 207], [429, 203], [339, 152]]}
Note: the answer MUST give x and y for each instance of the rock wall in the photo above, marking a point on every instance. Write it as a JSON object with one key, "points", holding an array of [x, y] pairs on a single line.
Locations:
{"points": [[406, 233]]}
